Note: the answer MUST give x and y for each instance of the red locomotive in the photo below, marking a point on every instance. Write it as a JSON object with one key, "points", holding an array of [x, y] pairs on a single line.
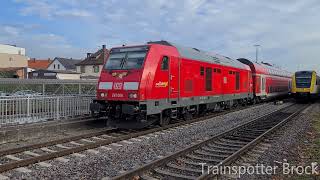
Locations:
{"points": [[161, 81]]}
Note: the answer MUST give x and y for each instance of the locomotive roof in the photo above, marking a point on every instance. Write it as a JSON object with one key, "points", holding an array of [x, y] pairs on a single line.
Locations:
{"points": [[196, 54]]}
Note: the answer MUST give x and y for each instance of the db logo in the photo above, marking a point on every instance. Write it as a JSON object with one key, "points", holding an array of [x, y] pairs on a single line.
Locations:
{"points": [[117, 85]]}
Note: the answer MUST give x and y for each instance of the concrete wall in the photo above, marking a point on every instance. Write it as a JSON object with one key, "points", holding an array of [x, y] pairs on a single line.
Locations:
{"points": [[68, 76], [7, 49], [13, 60], [89, 71], [56, 65]]}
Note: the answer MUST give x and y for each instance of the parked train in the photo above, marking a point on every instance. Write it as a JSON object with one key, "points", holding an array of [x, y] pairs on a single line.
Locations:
{"points": [[306, 85], [161, 81]]}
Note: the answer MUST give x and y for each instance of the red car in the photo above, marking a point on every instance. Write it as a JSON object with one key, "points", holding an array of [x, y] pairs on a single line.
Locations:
{"points": [[160, 81]]}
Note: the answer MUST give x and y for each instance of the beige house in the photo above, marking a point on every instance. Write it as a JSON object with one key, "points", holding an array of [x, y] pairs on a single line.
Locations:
{"points": [[91, 67], [13, 60]]}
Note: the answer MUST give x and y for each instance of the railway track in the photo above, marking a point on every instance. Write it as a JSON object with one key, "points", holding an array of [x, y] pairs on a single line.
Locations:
{"points": [[37, 153], [219, 151]]}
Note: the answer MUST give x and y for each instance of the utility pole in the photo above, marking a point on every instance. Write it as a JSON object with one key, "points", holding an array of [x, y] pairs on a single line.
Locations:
{"points": [[257, 48]]}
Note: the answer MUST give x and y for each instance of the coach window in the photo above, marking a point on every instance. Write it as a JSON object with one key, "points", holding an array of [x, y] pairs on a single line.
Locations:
{"points": [[237, 81], [263, 84], [165, 63], [208, 79]]}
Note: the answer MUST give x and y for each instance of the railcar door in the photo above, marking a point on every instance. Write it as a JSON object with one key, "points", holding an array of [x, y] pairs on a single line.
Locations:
{"points": [[174, 75]]}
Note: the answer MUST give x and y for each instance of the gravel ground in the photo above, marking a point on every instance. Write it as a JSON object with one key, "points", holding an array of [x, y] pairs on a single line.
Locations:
{"points": [[114, 159], [86, 128], [286, 147]]}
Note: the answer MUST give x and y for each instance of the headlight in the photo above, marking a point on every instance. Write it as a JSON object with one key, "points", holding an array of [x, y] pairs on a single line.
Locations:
{"points": [[133, 95], [103, 94]]}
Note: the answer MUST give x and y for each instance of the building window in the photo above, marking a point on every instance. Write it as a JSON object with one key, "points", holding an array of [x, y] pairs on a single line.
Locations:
{"points": [[54, 66], [96, 69], [82, 69], [165, 63], [208, 79], [58, 66], [201, 71]]}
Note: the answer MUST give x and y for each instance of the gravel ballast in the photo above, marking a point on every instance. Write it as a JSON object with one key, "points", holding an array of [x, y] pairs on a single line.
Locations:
{"points": [[287, 147], [116, 158]]}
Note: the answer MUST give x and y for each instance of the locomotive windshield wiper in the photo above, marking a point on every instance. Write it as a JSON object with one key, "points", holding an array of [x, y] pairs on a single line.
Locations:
{"points": [[123, 61]]}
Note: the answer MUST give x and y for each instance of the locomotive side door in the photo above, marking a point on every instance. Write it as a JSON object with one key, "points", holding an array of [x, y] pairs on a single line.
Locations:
{"points": [[174, 77]]}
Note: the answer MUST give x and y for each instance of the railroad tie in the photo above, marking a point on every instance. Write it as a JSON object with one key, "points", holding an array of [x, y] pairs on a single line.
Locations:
{"points": [[127, 142], [61, 159], [87, 140], [31, 153], [75, 143], [135, 139], [48, 150], [44, 164], [93, 151], [62, 146], [106, 136], [13, 157], [23, 170], [2, 177], [106, 148], [79, 155], [116, 144], [97, 138]]}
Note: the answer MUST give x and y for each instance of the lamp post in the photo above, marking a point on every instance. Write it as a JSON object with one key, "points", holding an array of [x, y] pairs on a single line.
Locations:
{"points": [[257, 47]]}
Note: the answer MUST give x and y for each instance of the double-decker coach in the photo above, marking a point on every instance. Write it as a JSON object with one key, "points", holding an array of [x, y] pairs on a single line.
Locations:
{"points": [[268, 81]]}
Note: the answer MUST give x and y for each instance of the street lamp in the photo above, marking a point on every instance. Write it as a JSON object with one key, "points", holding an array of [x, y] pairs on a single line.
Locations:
{"points": [[257, 46]]}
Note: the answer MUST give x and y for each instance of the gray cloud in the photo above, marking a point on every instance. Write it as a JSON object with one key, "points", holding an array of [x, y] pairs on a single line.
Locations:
{"points": [[288, 31]]}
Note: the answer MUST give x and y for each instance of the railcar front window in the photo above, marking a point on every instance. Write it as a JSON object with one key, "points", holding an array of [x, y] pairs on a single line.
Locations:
{"points": [[125, 60], [303, 79]]}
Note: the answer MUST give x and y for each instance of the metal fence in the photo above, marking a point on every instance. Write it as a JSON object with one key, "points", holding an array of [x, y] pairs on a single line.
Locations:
{"points": [[49, 86], [21, 110]]}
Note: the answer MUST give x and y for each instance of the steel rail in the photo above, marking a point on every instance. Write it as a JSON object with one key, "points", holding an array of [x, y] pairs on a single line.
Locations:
{"points": [[162, 161], [49, 156]]}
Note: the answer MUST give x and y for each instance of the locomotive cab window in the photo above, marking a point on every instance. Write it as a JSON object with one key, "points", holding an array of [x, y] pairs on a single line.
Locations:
{"points": [[208, 79], [165, 63], [126, 58]]}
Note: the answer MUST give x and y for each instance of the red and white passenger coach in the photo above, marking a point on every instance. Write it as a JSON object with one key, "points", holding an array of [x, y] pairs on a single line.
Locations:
{"points": [[160, 81]]}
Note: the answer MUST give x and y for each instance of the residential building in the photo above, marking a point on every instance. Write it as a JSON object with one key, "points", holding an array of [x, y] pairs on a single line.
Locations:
{"points": [[91, 67], [13, 61], [63, 64]]}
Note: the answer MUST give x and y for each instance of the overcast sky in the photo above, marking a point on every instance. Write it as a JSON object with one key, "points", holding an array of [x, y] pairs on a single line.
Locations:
{"points": [[287, 30]]}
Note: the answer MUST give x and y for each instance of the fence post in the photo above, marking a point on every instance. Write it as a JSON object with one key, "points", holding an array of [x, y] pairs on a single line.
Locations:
{"points": [[43, 89], [28, 106], [58, 108]]}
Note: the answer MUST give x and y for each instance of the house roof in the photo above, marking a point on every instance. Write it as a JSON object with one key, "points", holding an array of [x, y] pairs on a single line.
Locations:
{"points": [[39, 63], [95, 58], [67, 63]]}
